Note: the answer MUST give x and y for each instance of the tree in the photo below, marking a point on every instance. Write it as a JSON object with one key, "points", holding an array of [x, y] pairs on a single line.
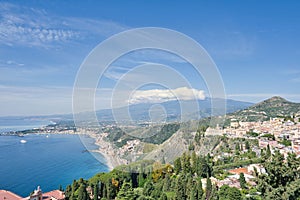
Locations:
{"points": [[189, 184], [163, 196], [193, 193], [141, 179], [186, 163], [180, 188], [199, 166], [282, 178], [177, 165], [268, 153], [237, 149], [199, 189], [110, 190], [82, 193], [95, 192], [247, 145], [126, 192], [242, 181], [148, 188], [167, 183], [194, 162], [208, 188], [229, 193], [68, 192]]}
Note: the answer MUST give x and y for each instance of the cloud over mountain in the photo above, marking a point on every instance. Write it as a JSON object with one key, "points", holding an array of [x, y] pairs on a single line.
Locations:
{"points": [[163, 95]]}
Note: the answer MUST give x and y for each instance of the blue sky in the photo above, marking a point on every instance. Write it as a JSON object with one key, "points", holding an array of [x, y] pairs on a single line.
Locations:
{"points": [[255, 45]]}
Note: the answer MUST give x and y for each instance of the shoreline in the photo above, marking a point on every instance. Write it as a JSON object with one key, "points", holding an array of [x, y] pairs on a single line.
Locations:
{"points": [[107, 150]]}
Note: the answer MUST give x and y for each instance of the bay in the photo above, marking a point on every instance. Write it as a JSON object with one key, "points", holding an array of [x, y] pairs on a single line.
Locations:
{"points": [[46, 161]]}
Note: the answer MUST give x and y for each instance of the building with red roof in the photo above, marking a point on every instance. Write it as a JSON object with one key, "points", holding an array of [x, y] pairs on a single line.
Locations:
{"points": [[7, 195]]}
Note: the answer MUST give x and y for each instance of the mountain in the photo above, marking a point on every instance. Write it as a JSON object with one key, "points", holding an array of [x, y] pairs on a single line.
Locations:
{"points": [[272, 107], [171, 110]]}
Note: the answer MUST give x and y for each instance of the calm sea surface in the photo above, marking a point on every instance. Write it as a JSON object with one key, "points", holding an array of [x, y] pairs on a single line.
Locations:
{"points": [[46, 161]]}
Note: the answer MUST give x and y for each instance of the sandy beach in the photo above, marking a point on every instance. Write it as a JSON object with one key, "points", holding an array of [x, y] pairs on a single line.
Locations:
{"points": [[106, 149]]}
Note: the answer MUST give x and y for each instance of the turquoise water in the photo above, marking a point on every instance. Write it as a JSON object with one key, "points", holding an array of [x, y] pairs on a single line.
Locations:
{"points": [[45, 161]]}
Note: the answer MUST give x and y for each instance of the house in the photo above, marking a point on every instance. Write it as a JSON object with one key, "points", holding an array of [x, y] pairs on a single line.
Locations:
{"points": [[36, 195], [7, 195]]}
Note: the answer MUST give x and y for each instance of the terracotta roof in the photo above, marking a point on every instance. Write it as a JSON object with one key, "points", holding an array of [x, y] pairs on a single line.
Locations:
{"points": [[56, 194], [4, 194], [239, 170]]}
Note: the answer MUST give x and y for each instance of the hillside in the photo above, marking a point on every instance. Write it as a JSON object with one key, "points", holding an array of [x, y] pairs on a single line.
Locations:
{"points": [[176, 142], [272, 107]]}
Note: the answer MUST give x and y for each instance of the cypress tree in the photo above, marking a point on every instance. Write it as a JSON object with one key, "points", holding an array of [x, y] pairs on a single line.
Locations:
{"points": [[82, 193], [126, 192], [163, 196], [208, 188], [148, 188], [180, 188], [95, 192], [177, 165], [199, 189], [242, 181]]}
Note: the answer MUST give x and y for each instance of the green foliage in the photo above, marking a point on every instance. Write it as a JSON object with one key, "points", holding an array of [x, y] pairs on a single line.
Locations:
{"points": [[236, 164], [177, 165], [148, 189], [164, 133], [126, 192], [247, 145], [180, 188], [208, 188], [285, 142], [252, 134], [82, 193], [242, 181], [269, 136], [282, 178], [229, 193], [96, 192]]}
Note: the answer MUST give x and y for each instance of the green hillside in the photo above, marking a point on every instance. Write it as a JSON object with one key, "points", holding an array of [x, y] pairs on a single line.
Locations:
{"points": [[273, 107]]}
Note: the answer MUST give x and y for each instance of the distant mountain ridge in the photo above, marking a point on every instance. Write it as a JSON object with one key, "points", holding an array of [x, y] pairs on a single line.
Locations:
{"points": [[140, 112]]}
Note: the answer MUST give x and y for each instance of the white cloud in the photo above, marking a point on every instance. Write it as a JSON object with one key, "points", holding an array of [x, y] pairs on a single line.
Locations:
{"points": [[21, 25], [163, 95]]}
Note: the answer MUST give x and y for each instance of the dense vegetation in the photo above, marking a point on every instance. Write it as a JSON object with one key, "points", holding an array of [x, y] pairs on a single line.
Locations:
{"points": [[162, 133], [148, 180], [282, 180], [185, 178]]}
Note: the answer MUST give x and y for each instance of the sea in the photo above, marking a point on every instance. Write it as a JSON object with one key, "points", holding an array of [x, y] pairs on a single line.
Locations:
{"points": [[47, 161]]}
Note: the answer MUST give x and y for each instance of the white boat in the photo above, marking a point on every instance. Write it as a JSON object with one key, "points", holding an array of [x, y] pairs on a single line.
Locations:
{"points": [[23, 141], [47, 136]]}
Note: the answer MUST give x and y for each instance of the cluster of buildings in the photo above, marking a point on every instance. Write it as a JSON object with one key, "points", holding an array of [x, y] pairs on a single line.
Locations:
{"points": [[280, 128], [36, 195], [268, 133]]}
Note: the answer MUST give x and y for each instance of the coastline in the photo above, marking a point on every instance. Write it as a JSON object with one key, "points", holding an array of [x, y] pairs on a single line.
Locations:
{"points": [[107, 150]]}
